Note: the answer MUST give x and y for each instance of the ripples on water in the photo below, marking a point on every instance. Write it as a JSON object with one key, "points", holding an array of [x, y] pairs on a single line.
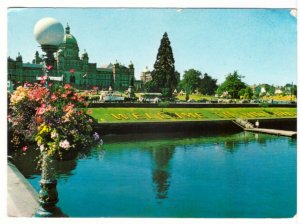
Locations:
{"points": [[228, 175]]}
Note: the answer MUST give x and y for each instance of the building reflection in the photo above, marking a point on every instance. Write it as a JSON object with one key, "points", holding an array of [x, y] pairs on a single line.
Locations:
{"points": [[161, 175]]}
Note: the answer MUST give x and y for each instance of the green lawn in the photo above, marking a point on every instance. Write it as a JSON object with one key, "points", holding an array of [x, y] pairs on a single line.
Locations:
{"points": [[116, 115]]}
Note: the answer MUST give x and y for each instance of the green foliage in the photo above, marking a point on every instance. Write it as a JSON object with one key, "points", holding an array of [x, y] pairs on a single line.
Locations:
{"points": [[246, 93], [163, 104], [232, 84], [191, 80], [151, 87], [164, 76], [290, 89], [207, 85], [194, 80]]}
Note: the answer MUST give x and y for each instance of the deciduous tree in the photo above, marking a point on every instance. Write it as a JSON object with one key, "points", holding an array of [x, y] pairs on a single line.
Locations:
{"points": [[232, 84]]}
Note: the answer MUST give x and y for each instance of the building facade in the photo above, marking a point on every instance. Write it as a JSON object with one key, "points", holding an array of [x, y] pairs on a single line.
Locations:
{"points": [[146, 75], [75, 70]]}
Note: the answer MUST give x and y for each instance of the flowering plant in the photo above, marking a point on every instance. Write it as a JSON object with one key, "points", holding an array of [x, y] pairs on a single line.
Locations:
{"points": [[54, 117]]}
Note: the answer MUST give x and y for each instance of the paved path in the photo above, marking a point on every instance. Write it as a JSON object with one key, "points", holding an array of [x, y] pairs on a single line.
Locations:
{"points": [[21, 196], [247, 126], [273, 131]]}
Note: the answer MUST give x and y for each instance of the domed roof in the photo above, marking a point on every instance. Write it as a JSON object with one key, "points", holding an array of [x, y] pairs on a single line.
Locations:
{"points": [[146, 70], [69, 38]]}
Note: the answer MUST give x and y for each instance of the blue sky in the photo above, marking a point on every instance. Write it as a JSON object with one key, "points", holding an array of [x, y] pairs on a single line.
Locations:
{"points": [[259, 43]]}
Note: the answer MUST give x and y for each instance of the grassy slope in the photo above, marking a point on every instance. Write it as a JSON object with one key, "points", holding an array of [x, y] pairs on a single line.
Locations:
{"points": [[187, 114]]}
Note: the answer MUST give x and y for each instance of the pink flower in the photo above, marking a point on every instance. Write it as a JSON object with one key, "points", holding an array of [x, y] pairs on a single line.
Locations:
{"points": [[53, 97], [64, 144], [27, 84], [24, 148], [49, 67], [67, 86], [40, 110], [90, 112], [68, 107]]}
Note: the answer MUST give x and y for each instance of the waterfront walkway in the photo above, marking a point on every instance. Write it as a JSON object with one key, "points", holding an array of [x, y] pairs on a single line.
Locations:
{"points": [[247, 126], [273, 131], [22, 199]]}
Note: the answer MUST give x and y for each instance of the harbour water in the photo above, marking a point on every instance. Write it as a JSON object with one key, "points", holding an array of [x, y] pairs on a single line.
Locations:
{"points": [[234, 175]]}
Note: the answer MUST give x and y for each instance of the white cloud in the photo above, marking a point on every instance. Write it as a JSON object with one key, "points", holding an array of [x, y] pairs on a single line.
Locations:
{"points": [[294, 12]]}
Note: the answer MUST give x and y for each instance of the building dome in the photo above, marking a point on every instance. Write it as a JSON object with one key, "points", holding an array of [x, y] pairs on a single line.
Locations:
{"points": [[69, 38], [48, 31], [146, 70]]}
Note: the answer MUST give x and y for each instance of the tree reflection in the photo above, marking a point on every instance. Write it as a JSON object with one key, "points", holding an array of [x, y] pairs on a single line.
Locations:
{"points": [[161, 169]]}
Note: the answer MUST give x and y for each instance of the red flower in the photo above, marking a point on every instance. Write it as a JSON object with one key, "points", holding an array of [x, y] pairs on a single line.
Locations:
{"points": [[72, 70], [49, 67], [24, 148]]}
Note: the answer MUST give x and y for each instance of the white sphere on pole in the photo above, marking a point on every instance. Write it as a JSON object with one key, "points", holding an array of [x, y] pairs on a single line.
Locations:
{"points": [[48, 31]]}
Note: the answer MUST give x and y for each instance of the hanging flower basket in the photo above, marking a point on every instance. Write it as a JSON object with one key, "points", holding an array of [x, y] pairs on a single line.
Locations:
{"points": [[55, 118]]}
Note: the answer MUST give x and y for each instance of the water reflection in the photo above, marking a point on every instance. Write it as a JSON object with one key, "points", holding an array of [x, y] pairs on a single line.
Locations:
{"points": [[215, 169], [29, 163], [161, 169]]}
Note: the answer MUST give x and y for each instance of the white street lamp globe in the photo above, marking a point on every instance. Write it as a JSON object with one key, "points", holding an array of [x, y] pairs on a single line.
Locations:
{"points": [[48, 31]]}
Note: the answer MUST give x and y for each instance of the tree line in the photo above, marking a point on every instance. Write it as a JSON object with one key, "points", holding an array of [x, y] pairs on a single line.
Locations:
{"points": [[165, 79]]}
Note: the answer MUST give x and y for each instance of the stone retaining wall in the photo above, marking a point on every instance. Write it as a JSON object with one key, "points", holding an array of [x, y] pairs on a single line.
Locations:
{"points": [[213, 126]]}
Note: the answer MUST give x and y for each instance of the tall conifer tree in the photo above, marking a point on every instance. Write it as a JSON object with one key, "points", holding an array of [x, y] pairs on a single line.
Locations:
{"points": [[164, 75]]}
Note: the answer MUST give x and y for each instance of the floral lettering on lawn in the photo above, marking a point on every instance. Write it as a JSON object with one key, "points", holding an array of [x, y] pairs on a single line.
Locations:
{"points": [[138, 116], [178, 116], [199, 115], [148, 116], [221, 115], [120, 116], [162, 115]]}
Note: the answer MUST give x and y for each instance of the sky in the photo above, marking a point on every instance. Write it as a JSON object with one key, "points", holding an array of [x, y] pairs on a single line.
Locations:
{"points": [[259, 43]]}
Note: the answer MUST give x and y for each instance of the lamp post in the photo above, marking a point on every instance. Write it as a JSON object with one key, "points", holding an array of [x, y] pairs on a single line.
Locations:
{"points": [[292, 92], [49, 33]]}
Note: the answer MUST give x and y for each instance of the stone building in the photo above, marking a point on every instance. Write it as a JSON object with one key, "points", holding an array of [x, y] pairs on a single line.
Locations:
{"points": [[75, 70], [146, 75]]}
